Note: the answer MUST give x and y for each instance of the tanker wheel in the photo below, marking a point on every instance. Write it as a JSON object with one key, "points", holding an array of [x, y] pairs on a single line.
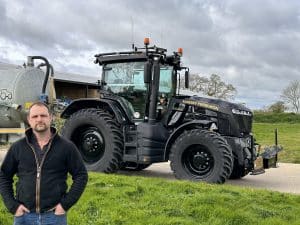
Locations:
{"points": [[98, 138], [132, 166], [201, 155]]}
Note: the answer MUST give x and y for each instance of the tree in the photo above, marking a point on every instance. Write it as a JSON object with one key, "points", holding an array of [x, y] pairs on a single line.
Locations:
{"points": [[291, 95], [277, 107], [212, 86]]}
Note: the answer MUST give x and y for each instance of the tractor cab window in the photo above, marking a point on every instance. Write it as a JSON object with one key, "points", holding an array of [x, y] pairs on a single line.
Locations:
{"points": [[121, 77], [165, 89], [127, 80]]}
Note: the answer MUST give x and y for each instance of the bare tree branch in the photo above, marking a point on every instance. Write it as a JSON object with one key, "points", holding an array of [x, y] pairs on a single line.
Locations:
{"points": [[291, 95], [212, 86]]}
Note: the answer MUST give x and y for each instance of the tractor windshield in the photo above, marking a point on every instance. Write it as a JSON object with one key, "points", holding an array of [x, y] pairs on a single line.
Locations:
{"points": [[127, 80]]}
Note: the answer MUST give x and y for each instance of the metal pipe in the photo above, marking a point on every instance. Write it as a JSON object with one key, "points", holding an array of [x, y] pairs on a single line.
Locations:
{"points": [[276, 136]]}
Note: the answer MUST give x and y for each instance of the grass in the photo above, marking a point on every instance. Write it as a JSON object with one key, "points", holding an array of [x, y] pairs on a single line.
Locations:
{"points": [[288, 137], [269, 117], [123, 200]]}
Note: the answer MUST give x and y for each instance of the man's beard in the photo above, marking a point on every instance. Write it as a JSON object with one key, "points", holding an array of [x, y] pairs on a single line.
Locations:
{"points": [[41, 127]]}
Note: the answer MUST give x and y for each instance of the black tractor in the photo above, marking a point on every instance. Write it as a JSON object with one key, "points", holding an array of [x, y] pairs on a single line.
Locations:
{"points": [[140, 119]]}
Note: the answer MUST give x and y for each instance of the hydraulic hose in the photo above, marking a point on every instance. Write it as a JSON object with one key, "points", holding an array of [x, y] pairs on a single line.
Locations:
{"points": [[51, 68], [30, 60]]}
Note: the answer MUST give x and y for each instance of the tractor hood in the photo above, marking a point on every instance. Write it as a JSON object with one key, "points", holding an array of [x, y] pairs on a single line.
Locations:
{"points": [[217, 105], [234, 119]]}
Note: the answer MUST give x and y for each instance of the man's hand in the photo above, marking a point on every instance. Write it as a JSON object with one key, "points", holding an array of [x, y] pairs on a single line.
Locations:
{"points": [[21, 210], [59, 210]]}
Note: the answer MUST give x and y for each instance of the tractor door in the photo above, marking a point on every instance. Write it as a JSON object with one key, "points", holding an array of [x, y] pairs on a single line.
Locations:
{"points": [[126, 80]]}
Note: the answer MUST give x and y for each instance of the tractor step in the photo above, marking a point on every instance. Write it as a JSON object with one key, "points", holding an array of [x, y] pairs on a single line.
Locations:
{"points": [[129, 158]]}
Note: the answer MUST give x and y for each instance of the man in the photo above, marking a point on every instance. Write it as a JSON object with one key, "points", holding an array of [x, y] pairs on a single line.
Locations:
{"points": [[41, 160]]}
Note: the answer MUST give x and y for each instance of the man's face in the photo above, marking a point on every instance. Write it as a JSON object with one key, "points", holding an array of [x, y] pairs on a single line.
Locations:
{"points": [[39, 118]]}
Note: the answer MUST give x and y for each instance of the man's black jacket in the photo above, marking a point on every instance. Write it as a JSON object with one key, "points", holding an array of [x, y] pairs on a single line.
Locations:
{"points": [[40, 187]]}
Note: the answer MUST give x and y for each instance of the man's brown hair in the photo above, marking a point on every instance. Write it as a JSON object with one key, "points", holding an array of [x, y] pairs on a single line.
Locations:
{"points": [[40, 104]]}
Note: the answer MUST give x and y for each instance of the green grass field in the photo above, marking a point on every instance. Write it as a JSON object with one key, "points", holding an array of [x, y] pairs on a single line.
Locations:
{"points": [[288, 137], [124, 200]]}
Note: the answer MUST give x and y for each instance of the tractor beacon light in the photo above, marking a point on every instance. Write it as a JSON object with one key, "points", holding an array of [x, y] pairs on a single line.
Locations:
{"points": [[146, 41], [180, 51]]}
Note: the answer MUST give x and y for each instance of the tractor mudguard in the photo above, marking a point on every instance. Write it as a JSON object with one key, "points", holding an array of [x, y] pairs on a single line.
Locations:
{"points": [[186, 126], [105, 104]]}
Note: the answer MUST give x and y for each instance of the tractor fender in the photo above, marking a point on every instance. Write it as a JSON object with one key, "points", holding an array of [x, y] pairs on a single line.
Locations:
{"points": [[105, 104], [204, 124]]}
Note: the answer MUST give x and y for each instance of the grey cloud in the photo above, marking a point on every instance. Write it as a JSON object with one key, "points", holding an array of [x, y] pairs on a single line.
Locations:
{"points": [[259, 39], [262, 17]]}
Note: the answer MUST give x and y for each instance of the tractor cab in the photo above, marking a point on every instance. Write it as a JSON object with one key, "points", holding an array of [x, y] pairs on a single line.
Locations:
{"points": [[145, 80]]}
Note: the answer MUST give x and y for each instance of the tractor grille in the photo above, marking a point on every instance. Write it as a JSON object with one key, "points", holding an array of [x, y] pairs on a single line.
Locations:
{"points": [[244, 122]]}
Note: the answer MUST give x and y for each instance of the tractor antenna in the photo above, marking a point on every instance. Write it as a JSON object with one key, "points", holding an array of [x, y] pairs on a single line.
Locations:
{"points": [[132, 33]]}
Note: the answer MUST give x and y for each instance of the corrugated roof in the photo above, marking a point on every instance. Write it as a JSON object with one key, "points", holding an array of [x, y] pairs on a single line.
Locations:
{"points": [[76, 78]]}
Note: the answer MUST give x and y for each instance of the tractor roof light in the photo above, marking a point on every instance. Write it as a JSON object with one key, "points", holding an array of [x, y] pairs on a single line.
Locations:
{"points": [[146, 41], [180, 51]]}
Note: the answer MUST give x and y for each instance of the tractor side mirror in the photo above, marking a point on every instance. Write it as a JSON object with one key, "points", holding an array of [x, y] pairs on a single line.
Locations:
{"points": [[147, 72], [186, 78]]}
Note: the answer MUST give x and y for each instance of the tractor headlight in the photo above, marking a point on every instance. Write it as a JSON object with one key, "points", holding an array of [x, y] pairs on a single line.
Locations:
{"points": [[137, 115], [241, 112]]}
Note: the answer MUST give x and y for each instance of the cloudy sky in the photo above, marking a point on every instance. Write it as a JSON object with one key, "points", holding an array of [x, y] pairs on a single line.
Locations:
{"points": [[254, 45]]}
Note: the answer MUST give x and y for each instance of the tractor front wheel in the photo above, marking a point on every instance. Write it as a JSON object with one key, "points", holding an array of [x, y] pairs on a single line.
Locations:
{"points": [[201, 155]]}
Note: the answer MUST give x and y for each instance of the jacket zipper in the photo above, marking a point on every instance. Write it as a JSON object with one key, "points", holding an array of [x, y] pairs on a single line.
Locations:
{"points": [[38, 169], [38, 175], [38, 180]]}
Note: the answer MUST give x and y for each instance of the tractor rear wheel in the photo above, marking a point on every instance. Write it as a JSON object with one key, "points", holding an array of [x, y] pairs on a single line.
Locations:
{"points": [[201, 155], [98, 138]]}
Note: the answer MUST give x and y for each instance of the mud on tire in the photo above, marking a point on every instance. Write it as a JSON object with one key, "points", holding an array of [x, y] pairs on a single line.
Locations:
{"points": [[98, 137]]}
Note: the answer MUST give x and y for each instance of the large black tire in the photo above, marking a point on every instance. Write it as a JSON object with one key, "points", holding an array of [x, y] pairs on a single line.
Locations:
{"points": [[201, 155], [98, 137], [131, 166]]}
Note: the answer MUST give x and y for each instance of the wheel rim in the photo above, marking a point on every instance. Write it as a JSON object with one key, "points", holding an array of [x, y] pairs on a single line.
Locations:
{"points": [[198, 161], [90, 143]]}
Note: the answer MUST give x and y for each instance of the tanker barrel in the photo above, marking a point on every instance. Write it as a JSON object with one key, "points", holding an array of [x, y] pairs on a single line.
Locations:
{"points": [[19, 88]]}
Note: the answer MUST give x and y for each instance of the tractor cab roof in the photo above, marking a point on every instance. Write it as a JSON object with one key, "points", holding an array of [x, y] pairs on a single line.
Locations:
{"points": [[120, 57], [140, 54]]}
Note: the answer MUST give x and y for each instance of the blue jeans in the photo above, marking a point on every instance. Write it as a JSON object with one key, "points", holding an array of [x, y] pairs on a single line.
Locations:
{"points": [[48, 218]]}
